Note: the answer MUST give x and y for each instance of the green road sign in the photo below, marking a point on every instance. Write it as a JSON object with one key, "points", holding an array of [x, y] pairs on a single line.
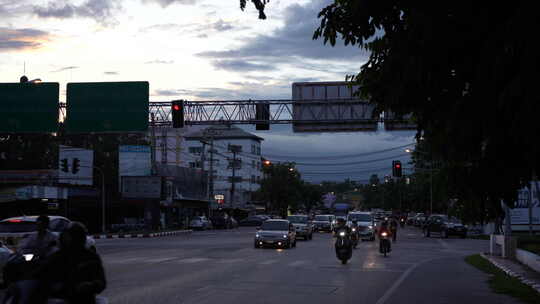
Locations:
{"points": [[106, 107], [29, 107]]}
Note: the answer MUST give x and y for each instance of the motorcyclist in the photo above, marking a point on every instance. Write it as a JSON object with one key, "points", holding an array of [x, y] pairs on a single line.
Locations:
{"points": [[73, 273], [393, 227], [40, 243], [385, 228], [340, 225]]}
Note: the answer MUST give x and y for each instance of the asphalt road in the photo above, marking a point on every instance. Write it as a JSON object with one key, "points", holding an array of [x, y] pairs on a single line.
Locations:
{"points": [[223, 267]]}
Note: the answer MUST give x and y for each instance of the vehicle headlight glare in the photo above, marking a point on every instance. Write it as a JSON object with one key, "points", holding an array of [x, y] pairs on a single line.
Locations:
{"points": [[354, 229], [257, 235], [370, 227], [342, 233], [284, 236]]}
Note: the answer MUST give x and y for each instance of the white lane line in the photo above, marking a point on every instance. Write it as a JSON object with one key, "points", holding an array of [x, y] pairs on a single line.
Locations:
{"points": [[297, 263], [192, 260], [159, 260], [444, 244], [268, 262], [400, 280]]}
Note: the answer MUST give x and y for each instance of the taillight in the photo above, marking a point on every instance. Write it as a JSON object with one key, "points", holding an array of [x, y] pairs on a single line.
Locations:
{"points": [[15, 221]]}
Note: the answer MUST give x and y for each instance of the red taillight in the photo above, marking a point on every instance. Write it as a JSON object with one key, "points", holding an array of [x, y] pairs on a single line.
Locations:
{"points": [[15, 221]]}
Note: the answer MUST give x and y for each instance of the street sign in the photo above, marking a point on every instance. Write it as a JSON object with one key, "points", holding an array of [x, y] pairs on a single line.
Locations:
{"points": [[107, 107], [29, 107], [141, 187]]}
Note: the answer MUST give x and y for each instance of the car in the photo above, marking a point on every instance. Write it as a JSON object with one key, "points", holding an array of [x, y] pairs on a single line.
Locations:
{"points": [[365, 223], [276, 233], [323, 222], [223, 222], [444, 226], [14, 229], [419, 220], [303, 226], [200, 223], [253, 220], [4, 256]]}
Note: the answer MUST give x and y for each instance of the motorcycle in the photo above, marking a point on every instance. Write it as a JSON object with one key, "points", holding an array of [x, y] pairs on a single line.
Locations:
{"points": [[27, 292], [354, 237], [343, 246], [384, 243]]}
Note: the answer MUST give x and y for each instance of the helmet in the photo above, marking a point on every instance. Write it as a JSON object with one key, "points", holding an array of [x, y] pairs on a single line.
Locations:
{"points": [[74, 237]]}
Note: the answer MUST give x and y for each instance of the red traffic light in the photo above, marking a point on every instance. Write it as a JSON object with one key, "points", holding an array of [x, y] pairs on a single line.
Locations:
{"points": [[398, 165], [176, 107]]}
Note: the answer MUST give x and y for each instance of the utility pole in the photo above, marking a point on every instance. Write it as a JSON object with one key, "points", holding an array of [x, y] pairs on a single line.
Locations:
{"points": [[153, 146], [234, 149]]}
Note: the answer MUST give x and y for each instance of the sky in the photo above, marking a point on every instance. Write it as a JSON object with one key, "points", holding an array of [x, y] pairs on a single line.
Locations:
{"points": [[198, 50]]}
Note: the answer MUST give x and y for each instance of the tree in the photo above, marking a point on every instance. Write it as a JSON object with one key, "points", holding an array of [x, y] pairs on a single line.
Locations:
{"points": [[259, 5], [281, 188], [467, 75]]}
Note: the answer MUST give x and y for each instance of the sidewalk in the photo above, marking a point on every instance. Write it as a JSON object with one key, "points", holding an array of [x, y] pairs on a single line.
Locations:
{"points": [[140, 235], [517, 270]]}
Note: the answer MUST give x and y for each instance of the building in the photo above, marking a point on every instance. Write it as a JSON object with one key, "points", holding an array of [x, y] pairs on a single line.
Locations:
{"points": [[234, 157]]}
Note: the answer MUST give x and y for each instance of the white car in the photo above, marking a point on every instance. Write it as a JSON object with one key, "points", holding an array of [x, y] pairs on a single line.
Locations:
{"points": [[200, 222], [13, 230], [366, 224]]}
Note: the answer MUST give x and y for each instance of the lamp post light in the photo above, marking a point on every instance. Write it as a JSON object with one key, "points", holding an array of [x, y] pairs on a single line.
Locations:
{"points": [[430, 178]]}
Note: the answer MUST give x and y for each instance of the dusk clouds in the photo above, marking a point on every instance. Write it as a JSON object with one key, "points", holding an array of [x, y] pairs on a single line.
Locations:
{"points": [[21, 39]]}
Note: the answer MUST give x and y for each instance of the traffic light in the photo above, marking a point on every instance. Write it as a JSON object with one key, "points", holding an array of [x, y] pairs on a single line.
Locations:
{"points": [[64, 165], [262, 114], [177, 112], [76, 165], [396, 168]]}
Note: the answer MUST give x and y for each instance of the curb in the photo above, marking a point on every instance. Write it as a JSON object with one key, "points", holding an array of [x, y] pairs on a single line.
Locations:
{"points": [[141, 235], [509, 272]]}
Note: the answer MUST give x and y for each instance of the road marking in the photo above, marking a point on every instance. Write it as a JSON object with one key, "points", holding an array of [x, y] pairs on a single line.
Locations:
{"points": [[444, 244], [158, 260], [400, 280], [192, 260], [297, 263], [269, 262]]}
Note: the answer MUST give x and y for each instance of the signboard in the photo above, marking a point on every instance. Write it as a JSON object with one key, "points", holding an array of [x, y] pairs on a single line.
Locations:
{"points": [[134, 161], [520, 214], [393, 122], [105, 107], [330, 107], [141, 187], [53, 206], [75, 166], [29, 107]]}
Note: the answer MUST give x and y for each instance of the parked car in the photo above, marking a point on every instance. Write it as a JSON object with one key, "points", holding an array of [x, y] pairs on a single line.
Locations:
{"points": [[200, 223], [365, 224], [278, 233], [302, 225], [4, 255], [323, 222], [254, 220], [444, 226], [13, 230]]}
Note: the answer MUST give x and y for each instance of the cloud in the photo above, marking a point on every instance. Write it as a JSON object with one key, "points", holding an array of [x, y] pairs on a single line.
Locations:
{"points": [[100, 10], [165, 3], [292, 43], [158, 61], [200, 30], [20, 39], [241, 65], [111, 73], [65, 69], [238, 91]]}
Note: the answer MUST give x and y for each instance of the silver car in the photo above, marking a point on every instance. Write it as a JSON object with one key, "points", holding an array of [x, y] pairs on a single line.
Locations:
{"points": [[276, 233], [302, 225]]}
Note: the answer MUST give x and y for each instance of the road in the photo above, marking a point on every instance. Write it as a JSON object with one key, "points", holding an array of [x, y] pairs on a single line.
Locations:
{"points": [[223, 267]]}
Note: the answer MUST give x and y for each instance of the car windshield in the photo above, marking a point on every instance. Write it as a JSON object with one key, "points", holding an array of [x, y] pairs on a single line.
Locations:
{"points": [[322, 218], [277, 226], [9, 226], [360, 217], [298, 219]]}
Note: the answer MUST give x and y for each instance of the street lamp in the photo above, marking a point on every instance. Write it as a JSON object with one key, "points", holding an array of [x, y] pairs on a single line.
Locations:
{"points": [[430, 178]]}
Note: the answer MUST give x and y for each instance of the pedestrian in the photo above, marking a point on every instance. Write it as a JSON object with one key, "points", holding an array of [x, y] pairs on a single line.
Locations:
{"points": [[393, 228]]}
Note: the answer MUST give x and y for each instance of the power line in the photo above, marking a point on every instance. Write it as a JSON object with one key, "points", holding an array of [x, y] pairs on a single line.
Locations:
{"points": [[339, 156], [352, 163]]}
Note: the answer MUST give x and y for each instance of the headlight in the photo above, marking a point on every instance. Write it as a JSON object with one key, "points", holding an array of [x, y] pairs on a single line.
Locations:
{"points": [[354, 229], [285, 236], [28, 257], [257, 235], [384, 234], [342, 233], [370, 227]]}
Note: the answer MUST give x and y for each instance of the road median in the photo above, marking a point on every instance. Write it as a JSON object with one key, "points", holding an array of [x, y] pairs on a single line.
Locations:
{"points": [[141, 235]]}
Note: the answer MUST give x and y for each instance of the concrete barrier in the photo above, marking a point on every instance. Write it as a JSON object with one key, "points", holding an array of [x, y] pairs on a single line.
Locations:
{"points": [[528, 258], [508, 245]]}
